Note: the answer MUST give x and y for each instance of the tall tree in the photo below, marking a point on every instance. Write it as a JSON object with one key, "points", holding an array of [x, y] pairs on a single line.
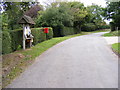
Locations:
{"points": [[79, 13], [95, 14], [14, 10], [112, 11]]}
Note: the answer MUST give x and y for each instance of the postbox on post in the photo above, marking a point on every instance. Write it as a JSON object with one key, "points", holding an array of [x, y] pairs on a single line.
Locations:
{"points": [[46, 31]]}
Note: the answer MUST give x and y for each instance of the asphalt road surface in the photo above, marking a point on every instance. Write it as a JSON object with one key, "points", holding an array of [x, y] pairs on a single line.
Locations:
{"points": [[80, 62]]}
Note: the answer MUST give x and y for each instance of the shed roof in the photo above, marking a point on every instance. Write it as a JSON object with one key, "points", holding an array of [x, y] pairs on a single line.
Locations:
{"points": [[26, 20]]}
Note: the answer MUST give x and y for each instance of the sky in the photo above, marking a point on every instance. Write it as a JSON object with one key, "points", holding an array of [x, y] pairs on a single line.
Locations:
{"points": [[86, 2]]}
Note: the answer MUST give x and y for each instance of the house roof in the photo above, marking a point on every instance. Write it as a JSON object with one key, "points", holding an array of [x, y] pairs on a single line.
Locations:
{"points": [[26, 20]]}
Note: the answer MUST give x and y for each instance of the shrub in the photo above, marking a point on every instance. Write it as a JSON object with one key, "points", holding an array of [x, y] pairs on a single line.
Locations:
{"points": [[112, 26], [39, 35], [16, 38], [104, 27], [50, 34], [57, 31], [88, 27], [0, 46], [6, 42], [68, 31]]}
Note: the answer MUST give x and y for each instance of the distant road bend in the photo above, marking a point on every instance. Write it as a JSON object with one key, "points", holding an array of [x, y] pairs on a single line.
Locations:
{"points": [[80, 62]]}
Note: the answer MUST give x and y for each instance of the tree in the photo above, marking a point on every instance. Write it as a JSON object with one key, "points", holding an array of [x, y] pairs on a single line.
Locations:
{"points": [[79, 14], [95, 15], [56, 16], [13, 12], [112, 11]]}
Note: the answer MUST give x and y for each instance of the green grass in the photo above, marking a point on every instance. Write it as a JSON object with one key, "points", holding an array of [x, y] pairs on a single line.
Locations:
{"points": [[114, 33], [17, 62], [116, 47]]}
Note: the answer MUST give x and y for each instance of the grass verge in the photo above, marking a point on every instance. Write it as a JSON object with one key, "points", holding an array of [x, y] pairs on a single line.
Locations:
{"points": [[116, 48], [114, 33], [15, 63]]}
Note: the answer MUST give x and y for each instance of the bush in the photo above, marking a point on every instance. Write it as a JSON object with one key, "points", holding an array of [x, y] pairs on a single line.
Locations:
{"points": [[16, 38], [12, 40], [112, 26], [0, 46], [104, 27], [88, 27], [39, 35], [50, 34], [6, 42], [57, 31], [68, 31]]}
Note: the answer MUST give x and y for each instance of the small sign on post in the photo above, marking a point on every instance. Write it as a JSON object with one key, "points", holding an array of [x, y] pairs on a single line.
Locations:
{"points": [[27, 35]]}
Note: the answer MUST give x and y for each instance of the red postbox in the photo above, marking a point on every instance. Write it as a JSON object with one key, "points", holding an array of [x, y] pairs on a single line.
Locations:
{"points": [[46, 30]]}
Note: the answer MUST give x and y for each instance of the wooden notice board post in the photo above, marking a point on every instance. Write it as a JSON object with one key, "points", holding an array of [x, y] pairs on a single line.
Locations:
{"points": [[26, 21]]}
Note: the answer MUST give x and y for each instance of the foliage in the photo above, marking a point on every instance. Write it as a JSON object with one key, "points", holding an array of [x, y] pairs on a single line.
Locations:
{"points": [[104, 26], [95, 15], [89, 27], [16, 38], [6, 42], [60, 15], [68, 31], [12, 11], [112, 11], [112, 26], [79, 14], [39, 35], [4, 21], [50, 34], [56, 18]]}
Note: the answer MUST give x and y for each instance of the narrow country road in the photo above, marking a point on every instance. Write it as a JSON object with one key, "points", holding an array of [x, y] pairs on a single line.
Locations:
{"points": [[80, 62]]}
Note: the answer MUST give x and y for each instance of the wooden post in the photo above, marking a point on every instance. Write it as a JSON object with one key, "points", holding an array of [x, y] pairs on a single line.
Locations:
{"points": [[23, 37]]}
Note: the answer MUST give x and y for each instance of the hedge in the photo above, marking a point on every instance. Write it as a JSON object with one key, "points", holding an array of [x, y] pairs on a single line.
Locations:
{"points": [[64, 31], [12, 39], [68, 31], [0, 42], [16, 39], [104, 27], [6, 42], [50, 34], [88, 27], [112, 26]]}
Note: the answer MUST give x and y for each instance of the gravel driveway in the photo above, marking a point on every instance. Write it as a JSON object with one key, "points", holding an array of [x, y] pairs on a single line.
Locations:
{"points": [[80, 62]]}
